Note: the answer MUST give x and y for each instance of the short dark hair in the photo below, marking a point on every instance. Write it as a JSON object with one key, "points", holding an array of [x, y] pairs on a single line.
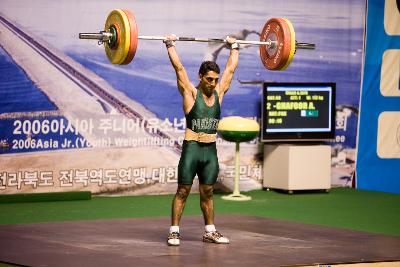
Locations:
{"points": [[207, 66]]}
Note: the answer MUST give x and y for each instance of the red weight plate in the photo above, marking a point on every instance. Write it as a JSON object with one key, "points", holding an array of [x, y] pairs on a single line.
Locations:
{"points": [[134, 37], [276, 57]]}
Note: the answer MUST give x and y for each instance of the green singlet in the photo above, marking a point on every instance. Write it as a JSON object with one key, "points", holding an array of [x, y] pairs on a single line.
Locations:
{"points": [[200, 158]]}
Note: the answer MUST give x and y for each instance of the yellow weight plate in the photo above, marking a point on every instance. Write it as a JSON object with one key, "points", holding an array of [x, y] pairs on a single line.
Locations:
{"points": [[117, 54], [292, 43]]}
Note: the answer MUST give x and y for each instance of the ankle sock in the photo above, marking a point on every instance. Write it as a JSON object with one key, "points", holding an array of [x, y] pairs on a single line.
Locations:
{"points": [[174, 228], [210, 228]]}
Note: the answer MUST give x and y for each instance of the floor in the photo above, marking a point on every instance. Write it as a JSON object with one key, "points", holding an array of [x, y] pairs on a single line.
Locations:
{"points": [[255, 241]]}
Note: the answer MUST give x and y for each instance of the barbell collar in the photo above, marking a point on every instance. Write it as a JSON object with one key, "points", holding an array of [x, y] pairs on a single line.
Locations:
{"points": [[100, 36], [305, 46]]}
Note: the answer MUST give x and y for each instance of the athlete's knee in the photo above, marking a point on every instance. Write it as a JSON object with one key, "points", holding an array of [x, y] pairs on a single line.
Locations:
{"points": [[183, 191], [206, 191]]}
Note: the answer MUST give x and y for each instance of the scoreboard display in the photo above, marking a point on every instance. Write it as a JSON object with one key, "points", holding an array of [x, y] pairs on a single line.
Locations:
{"points": [[298, 112]]}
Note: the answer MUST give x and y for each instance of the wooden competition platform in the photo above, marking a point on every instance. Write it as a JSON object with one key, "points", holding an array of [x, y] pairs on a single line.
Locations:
{"points": [[255, 241]]}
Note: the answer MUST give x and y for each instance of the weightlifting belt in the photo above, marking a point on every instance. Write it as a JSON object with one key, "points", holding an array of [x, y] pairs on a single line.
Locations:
{"points": [[199, 137]]}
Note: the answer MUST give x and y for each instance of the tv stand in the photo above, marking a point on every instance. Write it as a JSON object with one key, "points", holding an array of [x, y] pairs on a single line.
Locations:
{"points": [[297, 167]]}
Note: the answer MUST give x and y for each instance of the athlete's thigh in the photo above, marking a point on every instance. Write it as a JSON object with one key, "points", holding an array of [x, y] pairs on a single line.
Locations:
{"points": [[208, 173], [188, 163]]}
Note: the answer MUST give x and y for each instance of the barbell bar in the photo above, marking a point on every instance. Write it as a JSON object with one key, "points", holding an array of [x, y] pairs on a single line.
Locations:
{"points": [[104, 36], [120, 38]]}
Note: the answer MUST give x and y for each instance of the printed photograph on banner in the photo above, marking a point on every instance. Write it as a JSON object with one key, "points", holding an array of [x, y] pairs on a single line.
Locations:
{"points": [[72, 120], [343, 155]]}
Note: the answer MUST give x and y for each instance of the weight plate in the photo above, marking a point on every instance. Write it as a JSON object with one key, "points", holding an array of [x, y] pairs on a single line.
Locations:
{"points": [[279, 55], [292, 43], [134, 37], [119, 20]]}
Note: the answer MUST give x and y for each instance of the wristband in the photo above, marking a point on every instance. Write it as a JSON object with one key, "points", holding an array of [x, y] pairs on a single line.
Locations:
{"points": [[169, 43], [235, 46]]}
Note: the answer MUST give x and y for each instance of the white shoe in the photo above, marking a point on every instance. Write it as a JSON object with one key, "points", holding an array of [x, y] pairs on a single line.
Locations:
{"points": [[215, 237], [173, 239]]}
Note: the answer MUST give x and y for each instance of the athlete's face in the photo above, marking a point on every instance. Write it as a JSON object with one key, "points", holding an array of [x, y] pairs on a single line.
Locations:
{"points": [[209, 81]]}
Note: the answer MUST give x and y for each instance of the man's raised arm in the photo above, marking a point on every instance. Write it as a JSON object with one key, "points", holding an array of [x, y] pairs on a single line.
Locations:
{"points": [[182, 78], [230, 67]]}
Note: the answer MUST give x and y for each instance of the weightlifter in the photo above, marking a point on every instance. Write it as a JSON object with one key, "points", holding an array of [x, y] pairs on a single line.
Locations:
{"points": [[202, 108]]}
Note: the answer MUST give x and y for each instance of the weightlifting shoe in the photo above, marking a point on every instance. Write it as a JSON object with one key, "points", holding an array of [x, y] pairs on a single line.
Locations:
{"points": [[173, 239], [215, 237]]}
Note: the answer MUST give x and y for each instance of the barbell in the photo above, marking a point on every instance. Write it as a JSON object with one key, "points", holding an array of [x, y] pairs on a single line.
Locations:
{"points": [[120, 38]]}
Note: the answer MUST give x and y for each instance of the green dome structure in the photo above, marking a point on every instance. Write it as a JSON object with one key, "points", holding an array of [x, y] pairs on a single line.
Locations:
{"points": [[237, 129]]}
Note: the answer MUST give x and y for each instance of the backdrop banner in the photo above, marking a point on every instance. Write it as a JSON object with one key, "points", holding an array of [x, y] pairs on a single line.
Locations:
{"points": [[70, 120], [378, 157]]}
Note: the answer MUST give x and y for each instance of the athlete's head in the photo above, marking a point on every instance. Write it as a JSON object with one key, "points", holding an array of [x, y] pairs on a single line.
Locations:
{"points": [[208, 76], [207, 66]]}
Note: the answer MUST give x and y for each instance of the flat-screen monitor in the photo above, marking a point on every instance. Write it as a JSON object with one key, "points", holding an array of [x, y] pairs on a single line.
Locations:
{"points": [[296, 112]]}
